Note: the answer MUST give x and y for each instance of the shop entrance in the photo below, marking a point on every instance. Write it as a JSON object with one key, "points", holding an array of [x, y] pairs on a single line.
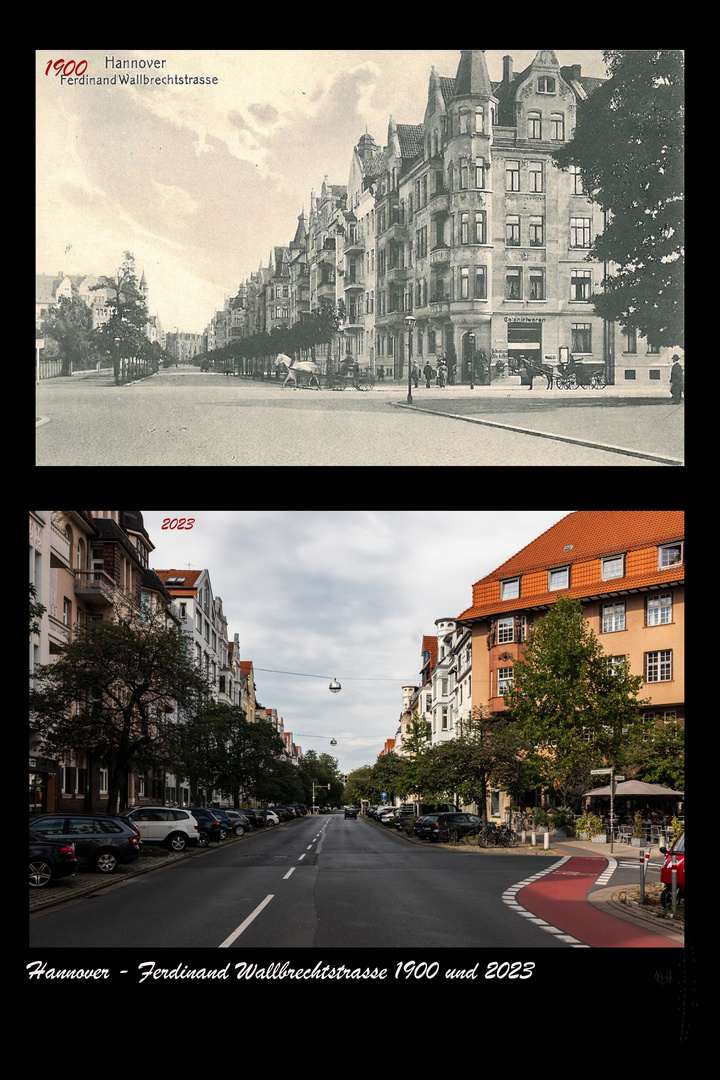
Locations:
{"points": [[524, 343]]}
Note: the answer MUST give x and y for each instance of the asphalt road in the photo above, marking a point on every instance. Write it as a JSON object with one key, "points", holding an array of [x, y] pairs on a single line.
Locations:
{"points": [[183, 417]]}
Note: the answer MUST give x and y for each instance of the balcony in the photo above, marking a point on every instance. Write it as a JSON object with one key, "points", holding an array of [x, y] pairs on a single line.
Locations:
{"points": [[440, 255], [96, 588]]}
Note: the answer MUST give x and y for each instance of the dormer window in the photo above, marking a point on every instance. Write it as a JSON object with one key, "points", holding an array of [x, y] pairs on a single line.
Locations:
{"points": [[670, 555], [510, 590], [559, 578], [546, 85]]}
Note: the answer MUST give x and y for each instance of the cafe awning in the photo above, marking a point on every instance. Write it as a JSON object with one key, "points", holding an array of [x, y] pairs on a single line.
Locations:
{"points": [[636, 787]]}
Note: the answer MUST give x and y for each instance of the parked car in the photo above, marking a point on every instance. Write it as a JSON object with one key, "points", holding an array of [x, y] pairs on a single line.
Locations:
{"points": [[443, 827], [350, 811], [225, 820], [210, 828], [239, 823], [255, 817], [170, 826], [50, 860], [678, 848], [102, 841]]}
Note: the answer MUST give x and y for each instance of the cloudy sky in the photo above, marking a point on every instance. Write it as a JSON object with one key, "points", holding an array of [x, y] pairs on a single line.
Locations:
{"points": [[200, 182], [346, 594]]}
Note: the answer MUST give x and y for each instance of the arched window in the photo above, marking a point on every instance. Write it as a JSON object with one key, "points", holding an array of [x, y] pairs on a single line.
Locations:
{"points": [[534, 128]]}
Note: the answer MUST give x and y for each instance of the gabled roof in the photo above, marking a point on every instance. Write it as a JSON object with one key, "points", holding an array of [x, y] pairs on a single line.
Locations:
{"points": [[580, 540]]}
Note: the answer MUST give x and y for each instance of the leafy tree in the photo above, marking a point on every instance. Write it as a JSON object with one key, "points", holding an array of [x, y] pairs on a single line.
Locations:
{"points": [[628, 146], [128, 322], [113, 690], [387, 776], [320, 769], [572, 702], [658, 749], [37, 610], [413, 745], [70, 327], [488, 753], [358, 786]]}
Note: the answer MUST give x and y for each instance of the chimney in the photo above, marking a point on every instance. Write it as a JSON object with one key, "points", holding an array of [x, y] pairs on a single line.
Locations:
{"points": [[575, 71], [507, 68]]}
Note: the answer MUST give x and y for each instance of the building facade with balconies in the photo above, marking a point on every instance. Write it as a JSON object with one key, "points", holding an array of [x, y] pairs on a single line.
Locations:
{"points": [[485, 242]]}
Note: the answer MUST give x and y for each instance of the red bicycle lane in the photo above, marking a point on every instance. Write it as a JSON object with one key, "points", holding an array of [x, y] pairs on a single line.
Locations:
{"points": [[560, 898]]}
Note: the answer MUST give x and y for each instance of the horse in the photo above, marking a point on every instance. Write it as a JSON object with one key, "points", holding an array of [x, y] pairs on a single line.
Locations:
{"points": [[293, 369]]}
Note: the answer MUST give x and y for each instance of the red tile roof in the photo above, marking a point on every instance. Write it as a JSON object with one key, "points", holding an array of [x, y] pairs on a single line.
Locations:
{"points": [[190, 578], [580, 540]]}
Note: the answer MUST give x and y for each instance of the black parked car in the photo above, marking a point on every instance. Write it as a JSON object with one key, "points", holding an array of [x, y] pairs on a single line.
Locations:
{"points": [[444, 827], [101, 840], [210, 827], [50, 860], [239, 823], [255, 817]]}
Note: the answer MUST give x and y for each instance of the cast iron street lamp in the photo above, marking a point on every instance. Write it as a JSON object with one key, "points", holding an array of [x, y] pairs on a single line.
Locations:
{"points": [[410, 321]]}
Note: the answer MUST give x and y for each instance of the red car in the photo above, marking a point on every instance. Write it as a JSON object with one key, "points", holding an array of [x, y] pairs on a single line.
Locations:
{"points": [[678, 849]]}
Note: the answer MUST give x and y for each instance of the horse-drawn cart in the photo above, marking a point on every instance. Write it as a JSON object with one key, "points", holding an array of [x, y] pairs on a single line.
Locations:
{"points": [[348, 372]]}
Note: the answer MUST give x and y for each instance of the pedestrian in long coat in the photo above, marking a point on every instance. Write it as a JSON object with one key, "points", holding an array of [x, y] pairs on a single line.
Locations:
{"points": [[428, 373], [677, 380]]}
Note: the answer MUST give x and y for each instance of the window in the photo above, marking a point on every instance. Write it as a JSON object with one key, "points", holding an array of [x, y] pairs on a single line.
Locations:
{"points": [[536, 232], [464, 282], [613, 567], [506, 630], [536, 175], [479, 119], [658, 666], [479, 172], [580, 232], [509, 590], [480, 283], [659, 610], [464, 228], [613, 617], [670, 555], [557, 127], [512, 230], [513, 284], [479, 227], [580, 284], [576, 180], [581, 338], [546, 85], [537, 283], [512, 175], [559, 579], [534, 125], [504, 680]]}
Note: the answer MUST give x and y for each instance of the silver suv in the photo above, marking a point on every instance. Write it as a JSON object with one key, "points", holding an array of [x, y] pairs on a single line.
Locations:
{"points": [[167, 825]]}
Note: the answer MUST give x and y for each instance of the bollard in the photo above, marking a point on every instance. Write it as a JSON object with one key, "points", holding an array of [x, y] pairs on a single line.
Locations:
{"points": [[546, 842], [642, 876], [534, 838], [674, 885]]}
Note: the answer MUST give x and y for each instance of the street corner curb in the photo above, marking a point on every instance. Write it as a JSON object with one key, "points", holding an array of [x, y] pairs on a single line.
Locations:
{"points": [[610, 901]]}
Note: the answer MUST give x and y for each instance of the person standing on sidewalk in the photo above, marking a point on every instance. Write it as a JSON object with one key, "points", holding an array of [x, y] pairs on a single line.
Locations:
{"points": [[677, 380], [428, 373]]}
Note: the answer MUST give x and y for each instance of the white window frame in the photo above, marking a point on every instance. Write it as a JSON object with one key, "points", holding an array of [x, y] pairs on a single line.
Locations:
{"points": [[505, 632], [613, 617], [664, 555], [504, 680], [658, 666], [552, 587], [613, 567], [510, 589], [658, 609]]}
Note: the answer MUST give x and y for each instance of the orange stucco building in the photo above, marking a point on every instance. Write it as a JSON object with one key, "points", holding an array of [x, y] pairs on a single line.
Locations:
{"points": [[627, 569]]}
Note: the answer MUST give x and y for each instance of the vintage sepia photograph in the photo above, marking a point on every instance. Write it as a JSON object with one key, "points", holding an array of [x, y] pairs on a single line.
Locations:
{"points": [[360, 258]]}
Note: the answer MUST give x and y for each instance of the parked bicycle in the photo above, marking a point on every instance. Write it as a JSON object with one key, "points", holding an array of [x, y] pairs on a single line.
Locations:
{"points": [[498, 836]]}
